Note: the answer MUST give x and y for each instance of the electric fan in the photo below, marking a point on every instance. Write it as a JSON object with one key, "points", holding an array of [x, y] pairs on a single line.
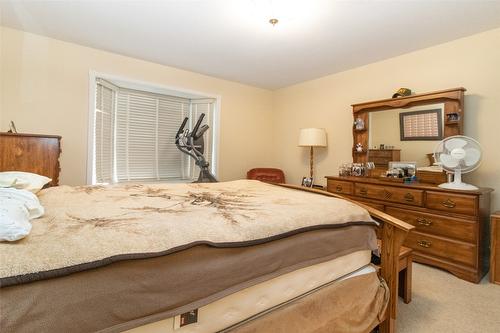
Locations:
{"points": [[459, 154]]}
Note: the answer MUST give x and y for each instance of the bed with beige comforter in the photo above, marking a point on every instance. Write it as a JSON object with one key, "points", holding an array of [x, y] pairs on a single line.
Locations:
{"points": [[124, 255]]}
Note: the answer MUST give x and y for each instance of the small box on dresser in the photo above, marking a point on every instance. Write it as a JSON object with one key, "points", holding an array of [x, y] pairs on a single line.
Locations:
{"points": [[495, 248]]}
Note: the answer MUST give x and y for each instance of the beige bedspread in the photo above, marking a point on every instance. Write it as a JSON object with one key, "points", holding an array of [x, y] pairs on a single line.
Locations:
{"points": [[86, 227]]}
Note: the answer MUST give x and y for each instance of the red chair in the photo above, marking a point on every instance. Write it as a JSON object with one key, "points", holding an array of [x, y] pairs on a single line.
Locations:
{"points": [[268, 175]]}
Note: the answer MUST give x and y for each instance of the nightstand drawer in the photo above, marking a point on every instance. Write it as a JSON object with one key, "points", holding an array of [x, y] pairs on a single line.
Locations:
{"points": [[452, 203], [387, 193], [436, 224], [447, 249], [340, 187]]}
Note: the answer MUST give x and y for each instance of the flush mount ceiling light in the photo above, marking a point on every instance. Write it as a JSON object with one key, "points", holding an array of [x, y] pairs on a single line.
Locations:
{"points": [[274, 17], [273, 21]]}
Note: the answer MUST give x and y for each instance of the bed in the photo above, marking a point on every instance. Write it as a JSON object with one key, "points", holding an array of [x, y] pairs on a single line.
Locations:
{"points": [[241, 256]]}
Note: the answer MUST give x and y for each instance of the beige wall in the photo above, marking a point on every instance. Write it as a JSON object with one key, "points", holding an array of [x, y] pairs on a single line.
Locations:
{"points": [[472, 62], [45, 90]]}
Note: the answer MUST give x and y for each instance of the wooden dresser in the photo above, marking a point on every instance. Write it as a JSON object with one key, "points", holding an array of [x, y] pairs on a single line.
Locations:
{"points": [[495, 248], [452, 226], [32, 153]]}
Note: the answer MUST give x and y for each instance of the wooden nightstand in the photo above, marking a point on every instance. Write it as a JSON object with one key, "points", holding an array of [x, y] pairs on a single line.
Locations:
{"points": [[495, 248]]}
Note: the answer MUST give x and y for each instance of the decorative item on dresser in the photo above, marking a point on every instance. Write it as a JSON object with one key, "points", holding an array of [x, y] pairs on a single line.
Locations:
{"points": [[451, 225], [32, 153], [495, 248]]}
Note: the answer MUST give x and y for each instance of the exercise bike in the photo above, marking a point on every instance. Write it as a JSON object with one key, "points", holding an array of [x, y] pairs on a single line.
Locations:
{"points": [[192, 144]]}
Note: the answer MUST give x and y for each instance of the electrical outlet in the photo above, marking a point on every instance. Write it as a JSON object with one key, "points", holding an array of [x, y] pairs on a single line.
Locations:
{"points": [[186, 318]]}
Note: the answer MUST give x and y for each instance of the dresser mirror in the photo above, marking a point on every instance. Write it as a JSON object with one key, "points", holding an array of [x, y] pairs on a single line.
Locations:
{"points": [[406, 129], [405, 134]]}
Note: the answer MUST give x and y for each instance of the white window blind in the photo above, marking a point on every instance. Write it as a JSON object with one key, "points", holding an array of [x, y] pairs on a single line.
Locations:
{"points": [[143, 137], [103, 132]]}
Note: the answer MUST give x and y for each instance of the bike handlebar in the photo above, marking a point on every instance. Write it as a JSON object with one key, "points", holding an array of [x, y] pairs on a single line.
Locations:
{"points": [[181, 129], [198, 123]]}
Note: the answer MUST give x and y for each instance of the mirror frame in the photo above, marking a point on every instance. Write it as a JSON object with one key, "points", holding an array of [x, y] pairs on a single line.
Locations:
{"points": [[453, 100]]}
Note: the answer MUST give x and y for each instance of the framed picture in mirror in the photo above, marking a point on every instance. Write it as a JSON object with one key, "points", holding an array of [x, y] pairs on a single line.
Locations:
{"points": [[421, 125]]}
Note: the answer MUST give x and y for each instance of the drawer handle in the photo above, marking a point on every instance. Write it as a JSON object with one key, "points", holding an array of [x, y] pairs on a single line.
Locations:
{"points": [[424, 243], [339, 188], [424, 221], [363, 191], [409, 197], [449, 203], [387, 194]]}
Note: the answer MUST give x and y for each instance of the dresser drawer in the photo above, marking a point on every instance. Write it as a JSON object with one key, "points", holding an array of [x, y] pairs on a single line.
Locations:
{"points": [[447, 249], [373, 205], [387, 193], [340, 187], [437, 225], [452, 203]]}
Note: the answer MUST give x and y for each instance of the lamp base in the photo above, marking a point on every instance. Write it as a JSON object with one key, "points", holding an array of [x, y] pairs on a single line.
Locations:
{"points": [[311, 163]]}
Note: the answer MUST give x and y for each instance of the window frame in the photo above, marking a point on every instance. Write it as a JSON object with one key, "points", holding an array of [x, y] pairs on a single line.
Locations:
{"points": [[155, 88]]}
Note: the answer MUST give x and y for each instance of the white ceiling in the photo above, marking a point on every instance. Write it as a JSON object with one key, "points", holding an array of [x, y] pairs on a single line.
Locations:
{"points": [[232, 39]]}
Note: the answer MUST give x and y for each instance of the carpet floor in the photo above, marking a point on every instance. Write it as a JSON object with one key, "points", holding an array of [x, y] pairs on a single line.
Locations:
{"points": [[442, 303]]}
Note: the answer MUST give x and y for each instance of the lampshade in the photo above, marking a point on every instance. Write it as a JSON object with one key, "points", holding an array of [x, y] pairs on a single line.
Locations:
{"points": [[312, 137]]}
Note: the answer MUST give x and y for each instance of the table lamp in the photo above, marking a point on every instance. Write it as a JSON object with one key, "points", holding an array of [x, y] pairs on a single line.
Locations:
{"points": [[312, 137]]}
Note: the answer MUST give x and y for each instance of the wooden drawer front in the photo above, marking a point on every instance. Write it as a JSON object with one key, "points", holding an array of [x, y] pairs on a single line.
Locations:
{"points": [[380, 153], [373, 205], [340, 187], [452, 203], [444, 248], [437, 225], [387, 193]]}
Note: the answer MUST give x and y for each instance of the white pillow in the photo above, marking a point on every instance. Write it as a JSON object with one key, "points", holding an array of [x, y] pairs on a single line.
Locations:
{"points": [[17, 207], [23, 180]]}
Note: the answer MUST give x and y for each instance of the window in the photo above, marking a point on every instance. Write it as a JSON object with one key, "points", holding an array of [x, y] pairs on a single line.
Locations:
{"points": [[134, 134]]}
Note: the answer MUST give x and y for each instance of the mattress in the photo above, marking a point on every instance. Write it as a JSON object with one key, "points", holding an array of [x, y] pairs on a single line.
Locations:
{"points": [[354, 305], [256, 299], [131, 293]]}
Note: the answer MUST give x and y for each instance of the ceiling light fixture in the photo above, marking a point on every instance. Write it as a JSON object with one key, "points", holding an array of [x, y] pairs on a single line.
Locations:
{"points": [[273, 21]]}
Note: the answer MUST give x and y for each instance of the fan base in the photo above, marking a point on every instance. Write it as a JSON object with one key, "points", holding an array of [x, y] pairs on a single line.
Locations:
{"points": [[459, 186]]}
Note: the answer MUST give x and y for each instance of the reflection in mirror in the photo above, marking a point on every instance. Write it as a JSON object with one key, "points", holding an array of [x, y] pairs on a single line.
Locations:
{"points": [[405, 134]]}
